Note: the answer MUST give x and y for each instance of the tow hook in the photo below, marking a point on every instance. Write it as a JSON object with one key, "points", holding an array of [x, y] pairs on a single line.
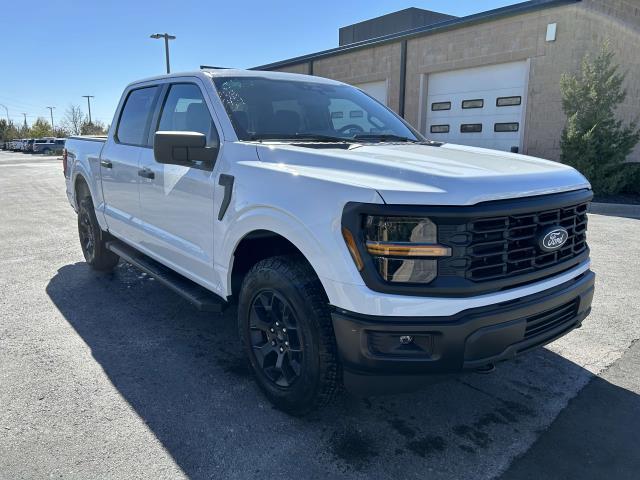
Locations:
{"points": [[486, 369]]}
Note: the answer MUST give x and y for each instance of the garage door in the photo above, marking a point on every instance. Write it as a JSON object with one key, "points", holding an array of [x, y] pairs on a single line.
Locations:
{"points": [[377, 90], [482, 107]]}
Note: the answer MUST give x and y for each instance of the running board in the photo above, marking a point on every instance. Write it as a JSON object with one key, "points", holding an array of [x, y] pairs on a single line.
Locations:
{"points": [[199, 296]]}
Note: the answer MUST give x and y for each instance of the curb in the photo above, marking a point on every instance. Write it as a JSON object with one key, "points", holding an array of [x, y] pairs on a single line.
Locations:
{"points": [[615, 210]]}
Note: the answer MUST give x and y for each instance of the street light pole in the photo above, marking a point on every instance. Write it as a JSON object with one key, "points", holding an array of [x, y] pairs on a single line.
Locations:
{"points": [[51, 110], [7, 110], [89, 97], [166, 37]]}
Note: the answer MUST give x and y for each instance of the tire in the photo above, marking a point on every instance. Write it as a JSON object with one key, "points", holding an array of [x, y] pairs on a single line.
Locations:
{"points": [[284, 322], [93, 239]]}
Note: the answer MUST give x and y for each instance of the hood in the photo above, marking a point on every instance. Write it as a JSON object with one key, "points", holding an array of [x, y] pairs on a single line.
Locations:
{"points": [[411, 174]]}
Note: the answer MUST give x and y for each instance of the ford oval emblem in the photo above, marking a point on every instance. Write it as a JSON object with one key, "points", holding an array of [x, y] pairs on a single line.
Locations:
{"points": [[553, 238]]}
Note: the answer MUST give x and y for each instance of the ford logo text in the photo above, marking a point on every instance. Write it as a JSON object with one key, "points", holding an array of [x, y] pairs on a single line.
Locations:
{"points": [[554, 238]]}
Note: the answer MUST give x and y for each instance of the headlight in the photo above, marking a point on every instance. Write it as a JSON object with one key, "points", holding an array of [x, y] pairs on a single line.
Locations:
{"points": [[404, 249]]}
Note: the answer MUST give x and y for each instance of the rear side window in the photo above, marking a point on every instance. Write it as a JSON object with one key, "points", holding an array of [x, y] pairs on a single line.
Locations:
{"points": [[136, 113], [185, 110]]}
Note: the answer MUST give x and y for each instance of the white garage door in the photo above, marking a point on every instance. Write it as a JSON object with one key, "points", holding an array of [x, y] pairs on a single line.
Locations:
{"points": [[482, 107], [377, 90]]}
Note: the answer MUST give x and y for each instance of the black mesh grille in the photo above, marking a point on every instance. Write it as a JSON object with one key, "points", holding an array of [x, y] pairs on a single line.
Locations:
{"points": [[496, 248]]}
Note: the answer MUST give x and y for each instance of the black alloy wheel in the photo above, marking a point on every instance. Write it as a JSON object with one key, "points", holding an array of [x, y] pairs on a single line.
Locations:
{"points": [[275, 338], [87, 235], [93, 239]]}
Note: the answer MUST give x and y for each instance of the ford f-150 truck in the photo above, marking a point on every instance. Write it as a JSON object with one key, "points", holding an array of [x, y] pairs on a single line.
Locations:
{"points": [[358, 252]]}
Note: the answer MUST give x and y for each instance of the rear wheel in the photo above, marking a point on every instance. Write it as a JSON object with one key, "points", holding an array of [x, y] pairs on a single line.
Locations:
{"points": [[285, 326], [93, 239]]}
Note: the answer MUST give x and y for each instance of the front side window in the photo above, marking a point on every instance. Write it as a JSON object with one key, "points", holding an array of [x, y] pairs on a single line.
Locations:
{"points": [[185, 110], [135, 116], [262, 108]]}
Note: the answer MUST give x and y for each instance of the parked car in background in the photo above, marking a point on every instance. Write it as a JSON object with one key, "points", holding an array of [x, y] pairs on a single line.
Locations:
{"points": [[48, 145], [16, 145], [28, 146]]}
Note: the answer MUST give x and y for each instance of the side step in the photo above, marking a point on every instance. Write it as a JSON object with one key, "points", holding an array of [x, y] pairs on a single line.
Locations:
{"points": [[202, 298]]}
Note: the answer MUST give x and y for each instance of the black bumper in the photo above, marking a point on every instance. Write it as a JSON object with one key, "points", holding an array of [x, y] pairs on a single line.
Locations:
{"points": [[371, 346]]}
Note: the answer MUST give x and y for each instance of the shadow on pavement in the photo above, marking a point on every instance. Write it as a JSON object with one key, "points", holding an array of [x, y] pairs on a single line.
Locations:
{"points": [[183, 373]]}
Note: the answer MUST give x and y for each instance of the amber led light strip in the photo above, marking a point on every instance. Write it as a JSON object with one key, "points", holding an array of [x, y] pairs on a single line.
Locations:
{"points": [[387, 249]]}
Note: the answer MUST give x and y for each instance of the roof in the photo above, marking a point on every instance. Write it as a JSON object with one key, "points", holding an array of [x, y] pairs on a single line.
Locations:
{"points": [[213, 72], [398, 21], [454, 23]]}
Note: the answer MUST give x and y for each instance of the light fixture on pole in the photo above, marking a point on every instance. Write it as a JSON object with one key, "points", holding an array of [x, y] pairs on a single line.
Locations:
{"points": [[166, 37]]}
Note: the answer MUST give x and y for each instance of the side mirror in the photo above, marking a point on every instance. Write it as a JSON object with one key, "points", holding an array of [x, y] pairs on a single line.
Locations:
{"points": [[183, 148]]}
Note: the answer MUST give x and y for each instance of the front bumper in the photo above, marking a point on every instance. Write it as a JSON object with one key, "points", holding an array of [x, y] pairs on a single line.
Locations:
{"points": [[370, 346]]}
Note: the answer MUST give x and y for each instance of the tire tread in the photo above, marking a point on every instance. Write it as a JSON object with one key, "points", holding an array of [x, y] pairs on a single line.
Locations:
{"points": [[296, 268]]}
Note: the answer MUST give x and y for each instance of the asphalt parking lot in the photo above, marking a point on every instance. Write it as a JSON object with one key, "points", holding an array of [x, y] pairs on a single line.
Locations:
{"points": [[113, 376]]}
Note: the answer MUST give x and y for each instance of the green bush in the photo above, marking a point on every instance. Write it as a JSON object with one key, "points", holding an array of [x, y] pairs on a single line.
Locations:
{"points": [[593, 140]]}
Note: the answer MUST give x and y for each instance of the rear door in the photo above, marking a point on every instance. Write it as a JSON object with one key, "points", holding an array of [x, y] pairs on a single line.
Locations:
{"points": [[177, 209], [120, 159]]}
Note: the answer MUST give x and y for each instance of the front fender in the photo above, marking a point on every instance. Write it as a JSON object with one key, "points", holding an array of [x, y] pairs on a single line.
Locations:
{"points": [[324, 249], [304, 209]]}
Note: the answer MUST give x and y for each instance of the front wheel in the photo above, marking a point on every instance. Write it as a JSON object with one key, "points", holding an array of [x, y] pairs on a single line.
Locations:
{"points": [[92, 238], [286, 330]]}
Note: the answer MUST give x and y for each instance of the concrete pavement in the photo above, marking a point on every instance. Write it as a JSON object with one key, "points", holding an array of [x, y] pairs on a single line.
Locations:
{"points": [[113, 376]]}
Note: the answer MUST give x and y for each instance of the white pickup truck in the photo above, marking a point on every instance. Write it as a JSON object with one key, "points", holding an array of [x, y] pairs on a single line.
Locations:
{"points": [[357, 251]]}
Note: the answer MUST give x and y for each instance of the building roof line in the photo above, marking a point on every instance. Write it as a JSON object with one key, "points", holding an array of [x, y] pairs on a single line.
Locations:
{"points": [[489, 15]]}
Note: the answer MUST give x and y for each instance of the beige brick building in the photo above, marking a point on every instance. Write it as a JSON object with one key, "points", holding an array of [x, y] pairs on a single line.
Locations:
{"points": [[490, 79]]}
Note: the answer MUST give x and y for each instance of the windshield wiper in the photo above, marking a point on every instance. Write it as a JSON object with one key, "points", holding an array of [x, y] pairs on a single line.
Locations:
{"points": [[383, 137], [311, 137]]}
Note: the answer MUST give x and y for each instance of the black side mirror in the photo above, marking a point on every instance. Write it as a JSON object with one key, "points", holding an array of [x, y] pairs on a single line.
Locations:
{"points": [[183, 148]]}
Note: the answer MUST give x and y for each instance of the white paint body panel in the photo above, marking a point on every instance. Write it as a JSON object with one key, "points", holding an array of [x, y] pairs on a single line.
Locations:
{"points": [[300, 193], [487, 83]]}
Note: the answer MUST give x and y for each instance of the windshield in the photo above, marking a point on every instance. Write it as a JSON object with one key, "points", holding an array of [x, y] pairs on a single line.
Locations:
{"points": [[262, 109]]}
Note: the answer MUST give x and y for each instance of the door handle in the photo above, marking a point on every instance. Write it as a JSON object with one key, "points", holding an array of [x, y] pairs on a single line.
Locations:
{"points": [[106, 164], [146, 173]]}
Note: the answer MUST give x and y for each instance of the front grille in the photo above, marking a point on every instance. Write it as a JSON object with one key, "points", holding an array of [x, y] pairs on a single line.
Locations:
{"points": [[543, 322], [502, 247], [494, 244]]}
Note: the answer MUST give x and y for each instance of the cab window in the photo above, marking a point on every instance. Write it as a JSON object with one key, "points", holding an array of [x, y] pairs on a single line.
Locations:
{"points": [[185, 110], [135, 117]]}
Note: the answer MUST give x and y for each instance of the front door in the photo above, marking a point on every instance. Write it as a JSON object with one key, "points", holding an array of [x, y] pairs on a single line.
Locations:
{"points": [[176, 202]]}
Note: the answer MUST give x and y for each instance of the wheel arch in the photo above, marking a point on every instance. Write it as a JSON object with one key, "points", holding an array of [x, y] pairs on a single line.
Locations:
{"points": [[80, 183], [255, 246]]}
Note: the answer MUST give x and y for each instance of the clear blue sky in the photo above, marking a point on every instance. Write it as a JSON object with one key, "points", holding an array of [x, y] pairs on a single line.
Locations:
{"points": [[56, 51]]}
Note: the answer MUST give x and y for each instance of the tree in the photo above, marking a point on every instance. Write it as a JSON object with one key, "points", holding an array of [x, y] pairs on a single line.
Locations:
{"points": [[73, 120], [8, 130], [594, 140], [93, 128], [40, 128]]}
